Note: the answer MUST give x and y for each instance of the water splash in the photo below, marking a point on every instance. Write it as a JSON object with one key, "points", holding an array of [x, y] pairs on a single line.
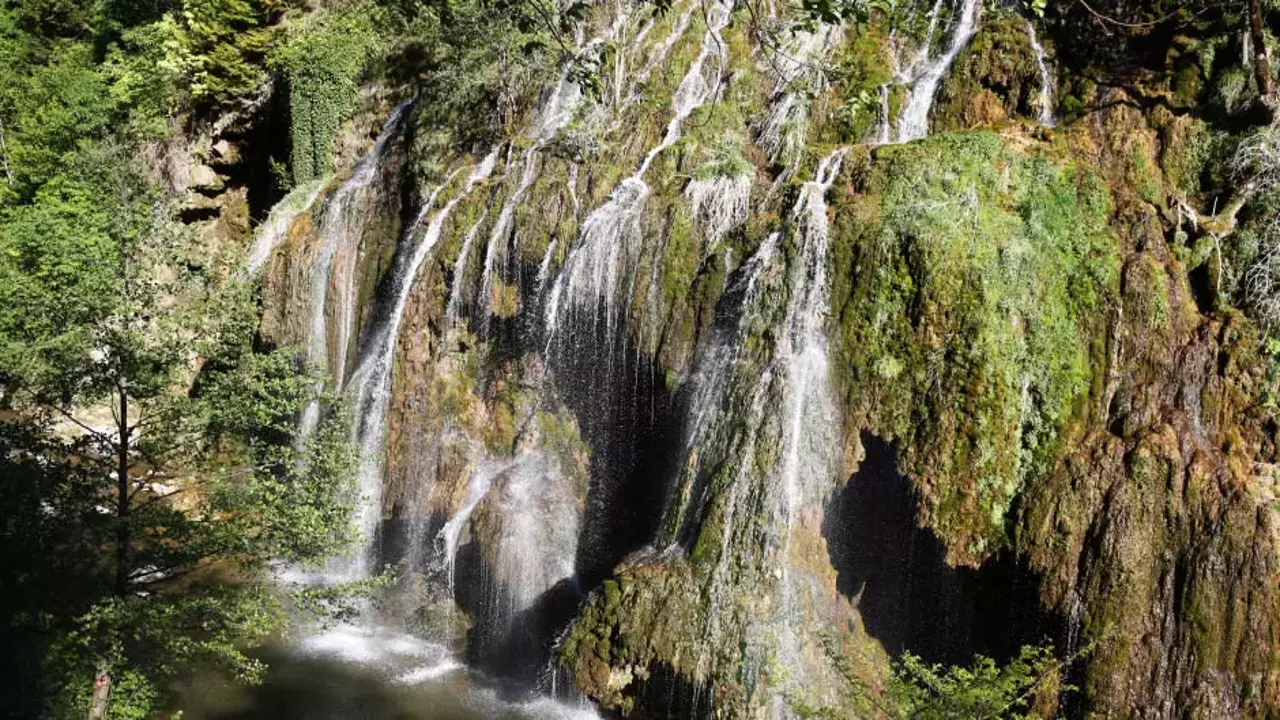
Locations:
{"points": [[477, 490], [539, 532], [399, 657], [914, 121], [1046, 116]]}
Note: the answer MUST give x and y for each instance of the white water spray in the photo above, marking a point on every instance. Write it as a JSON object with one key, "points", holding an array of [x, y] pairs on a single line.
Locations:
{"points": [[1046, 116], [720, 204], [914, 121]]}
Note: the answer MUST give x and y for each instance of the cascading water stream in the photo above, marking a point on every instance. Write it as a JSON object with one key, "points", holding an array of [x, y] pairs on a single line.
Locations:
{"points": [[720, 204], [811, 422], [1046, 116], [557, 113], [370, 384], [792, 382], [913, 124], [599, 271], [460, 271], [337, 230], [401, 658], [477, 489], [271, 233]]}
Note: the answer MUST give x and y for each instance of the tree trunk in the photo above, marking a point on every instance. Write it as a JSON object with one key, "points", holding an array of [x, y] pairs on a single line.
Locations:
{"points": [[1261, 67], [4, 155], [122, 498], [101, 693]]}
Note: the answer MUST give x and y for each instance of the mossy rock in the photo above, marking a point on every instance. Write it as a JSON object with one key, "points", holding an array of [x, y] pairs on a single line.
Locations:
{"points": [[970, 278]]}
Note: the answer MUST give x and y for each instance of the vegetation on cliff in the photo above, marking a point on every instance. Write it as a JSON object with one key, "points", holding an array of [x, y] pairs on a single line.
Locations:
{"points": [[1068, 334]]}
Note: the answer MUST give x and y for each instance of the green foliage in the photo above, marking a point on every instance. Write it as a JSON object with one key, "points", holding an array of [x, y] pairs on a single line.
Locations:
{"points": [[980, 274], [50, 107], [482, 66], [321, 61], [160, 493], [218, 46], [142, 76], [728, 159], [860, 69], [982, 690]]}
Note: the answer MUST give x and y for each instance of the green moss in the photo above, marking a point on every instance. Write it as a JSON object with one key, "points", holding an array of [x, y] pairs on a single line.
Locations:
{"points": [[1143, 175], [995, 77], [975, 275], [1154, 301]]}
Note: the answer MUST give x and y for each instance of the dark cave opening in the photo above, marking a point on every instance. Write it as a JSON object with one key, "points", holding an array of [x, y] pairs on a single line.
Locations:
{"points": [[624, 411], [910, 599]]}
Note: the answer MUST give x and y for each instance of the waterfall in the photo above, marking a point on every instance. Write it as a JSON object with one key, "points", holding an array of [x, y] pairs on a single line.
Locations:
{"points": [[339, 231], [798, 77], [539, 533], [477, 489], [601, 267], [657, 55], [537, 526], [1046, 116], [275, 229], [720, 204], [914, 121], [502, 230], [371, 383], [882, 135], [558, 111], [460, 270], [811, 423], [743, 404]]}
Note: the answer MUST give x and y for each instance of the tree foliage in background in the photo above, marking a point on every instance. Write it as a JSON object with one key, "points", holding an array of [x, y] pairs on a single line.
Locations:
{"points": [[151, 467]]}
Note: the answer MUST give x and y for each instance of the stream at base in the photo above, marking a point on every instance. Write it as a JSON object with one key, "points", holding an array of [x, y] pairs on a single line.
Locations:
{"points": [[362, 673]]}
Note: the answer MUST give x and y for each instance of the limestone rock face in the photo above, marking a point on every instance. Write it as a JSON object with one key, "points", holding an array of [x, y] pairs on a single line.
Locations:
{"points": [[657, 370]]}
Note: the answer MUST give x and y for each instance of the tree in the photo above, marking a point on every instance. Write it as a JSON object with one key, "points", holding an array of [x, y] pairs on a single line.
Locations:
{"points": [[148, 449], [981, 691]]}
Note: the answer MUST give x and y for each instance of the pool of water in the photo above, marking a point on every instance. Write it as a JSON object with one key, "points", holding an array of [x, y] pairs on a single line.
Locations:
{"points": [[358, 673]]}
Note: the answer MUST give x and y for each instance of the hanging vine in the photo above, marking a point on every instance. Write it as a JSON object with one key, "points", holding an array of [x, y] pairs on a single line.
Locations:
{"points": [[321, 65]]}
